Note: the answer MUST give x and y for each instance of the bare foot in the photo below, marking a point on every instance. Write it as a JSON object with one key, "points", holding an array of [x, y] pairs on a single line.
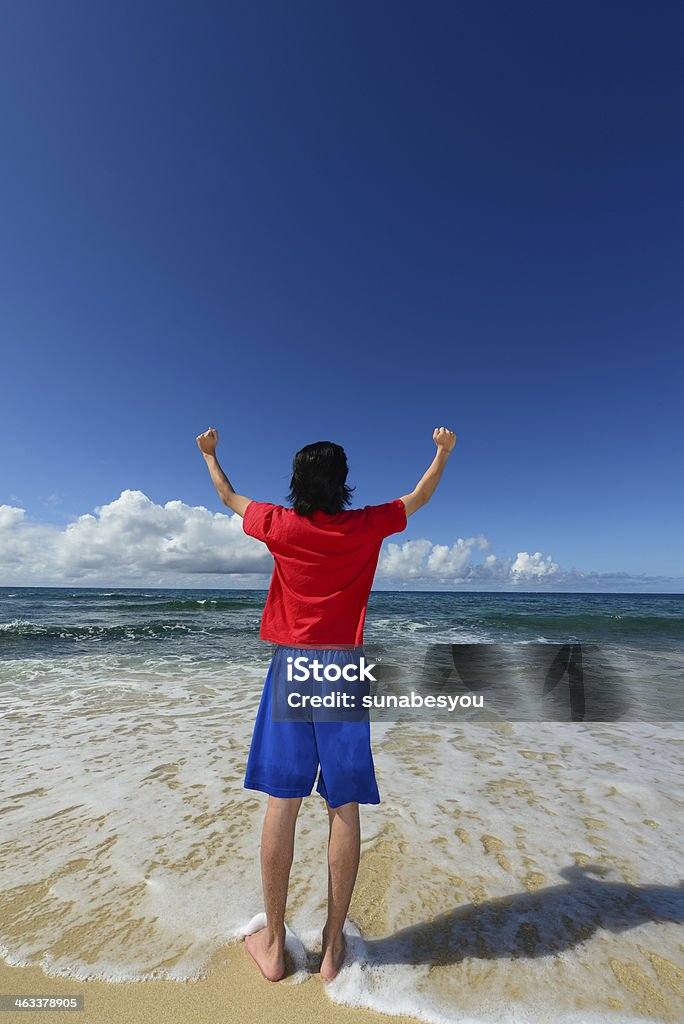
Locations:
{"points": [[333, 954], [270, 957]]}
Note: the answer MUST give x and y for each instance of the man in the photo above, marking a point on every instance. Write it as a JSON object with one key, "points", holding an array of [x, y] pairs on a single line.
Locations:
{"points": [[325, 558]]}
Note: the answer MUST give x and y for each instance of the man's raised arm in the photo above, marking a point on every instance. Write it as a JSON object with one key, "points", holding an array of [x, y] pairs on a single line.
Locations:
{"points": [[207, 444], [423, 491]]}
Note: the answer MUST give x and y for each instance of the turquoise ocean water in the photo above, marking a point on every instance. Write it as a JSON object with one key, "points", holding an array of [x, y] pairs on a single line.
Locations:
{"points": [[65, 622]]}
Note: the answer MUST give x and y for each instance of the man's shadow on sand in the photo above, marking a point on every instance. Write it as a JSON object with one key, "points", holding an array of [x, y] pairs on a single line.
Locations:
{"points": [[534, 924]]}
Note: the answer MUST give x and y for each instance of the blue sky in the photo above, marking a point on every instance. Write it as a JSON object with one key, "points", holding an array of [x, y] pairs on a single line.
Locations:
{"points": [[352, 222]]}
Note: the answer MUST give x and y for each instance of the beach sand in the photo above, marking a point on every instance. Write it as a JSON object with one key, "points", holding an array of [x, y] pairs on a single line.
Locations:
{"points": [[613, 978], [233, 991]]}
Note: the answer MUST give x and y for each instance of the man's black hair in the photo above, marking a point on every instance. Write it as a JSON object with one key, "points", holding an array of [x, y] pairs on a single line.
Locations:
{"points": [[319, 474]]}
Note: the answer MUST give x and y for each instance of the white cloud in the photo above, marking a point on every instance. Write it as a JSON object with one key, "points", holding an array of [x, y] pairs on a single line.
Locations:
{"points": [[10, 516], [422, 560], [404, 560], [134, 541], [531, 566], [128, 539], [452, 560], [425, 560]]}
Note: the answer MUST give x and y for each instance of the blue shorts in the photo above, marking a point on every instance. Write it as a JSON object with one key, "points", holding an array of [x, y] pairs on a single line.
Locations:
{"points": [[292, 739]]}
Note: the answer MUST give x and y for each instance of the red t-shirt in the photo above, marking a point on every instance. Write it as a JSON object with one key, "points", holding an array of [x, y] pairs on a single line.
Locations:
{"points": [[324, 568]]}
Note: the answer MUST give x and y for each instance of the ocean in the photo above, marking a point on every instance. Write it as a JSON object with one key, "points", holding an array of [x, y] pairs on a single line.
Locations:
{"points": [[506, 860]]}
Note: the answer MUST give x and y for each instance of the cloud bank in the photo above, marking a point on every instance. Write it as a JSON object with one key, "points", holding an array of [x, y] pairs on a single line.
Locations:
{"points": [[132, 541]]}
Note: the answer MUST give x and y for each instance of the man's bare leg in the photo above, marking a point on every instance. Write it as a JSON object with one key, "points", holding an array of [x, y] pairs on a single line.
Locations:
{"points": [[267, 946], [344, 847]]}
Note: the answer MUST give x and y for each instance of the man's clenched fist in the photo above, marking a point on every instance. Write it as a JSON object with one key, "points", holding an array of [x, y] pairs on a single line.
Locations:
{"points": [[444, 438], [208, 441]]}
